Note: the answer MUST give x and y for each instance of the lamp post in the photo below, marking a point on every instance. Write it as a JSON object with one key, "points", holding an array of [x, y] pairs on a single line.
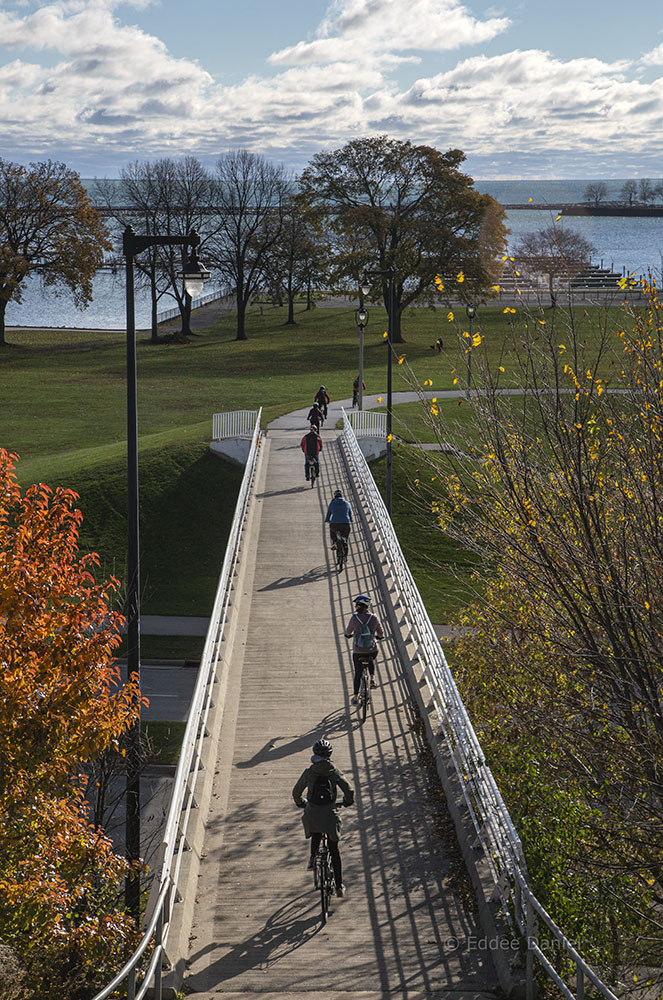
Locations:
{"points": [[387, 273], [471, 312], [194, 274], [361, 319]]}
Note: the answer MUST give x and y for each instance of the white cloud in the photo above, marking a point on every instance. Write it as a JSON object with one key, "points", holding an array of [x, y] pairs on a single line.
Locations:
{"points": [[97, 105], [375, 27], [654, 57]]}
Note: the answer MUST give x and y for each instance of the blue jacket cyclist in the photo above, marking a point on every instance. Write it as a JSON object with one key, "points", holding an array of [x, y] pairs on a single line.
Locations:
{"points": [[339, 517]]}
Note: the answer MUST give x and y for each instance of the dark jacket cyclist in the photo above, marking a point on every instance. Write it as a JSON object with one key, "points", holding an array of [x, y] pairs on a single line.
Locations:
{"points": [[339, 517], [319, 819], [311, 445], [322, 399]]}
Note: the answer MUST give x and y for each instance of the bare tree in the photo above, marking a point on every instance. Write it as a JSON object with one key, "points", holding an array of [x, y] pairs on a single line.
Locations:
{"points": [[248, 196], [595, 192], [298, 257], [629, 191], [646, 192], [556, 252]]}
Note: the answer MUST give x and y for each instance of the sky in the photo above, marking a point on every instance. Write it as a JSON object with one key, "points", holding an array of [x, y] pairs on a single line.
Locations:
{"points": [[526, 88]]}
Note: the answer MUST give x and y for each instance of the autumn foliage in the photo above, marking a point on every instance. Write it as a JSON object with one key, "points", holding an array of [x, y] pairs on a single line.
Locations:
{"points": [[62, 705], [562, 662]]}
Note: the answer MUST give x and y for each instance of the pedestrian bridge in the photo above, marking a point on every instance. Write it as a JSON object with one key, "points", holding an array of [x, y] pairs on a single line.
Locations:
{"points": [[430, 876]]}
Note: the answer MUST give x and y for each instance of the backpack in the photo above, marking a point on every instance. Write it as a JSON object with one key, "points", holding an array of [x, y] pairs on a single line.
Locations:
{"points": [[364, 638], [323, 792]]}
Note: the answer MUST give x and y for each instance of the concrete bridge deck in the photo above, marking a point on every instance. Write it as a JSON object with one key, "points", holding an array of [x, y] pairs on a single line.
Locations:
{"points": [[405, 928]]}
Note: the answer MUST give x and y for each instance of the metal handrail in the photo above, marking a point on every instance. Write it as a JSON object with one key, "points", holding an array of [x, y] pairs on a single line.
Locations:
{"points": [[162, 902], [492, 823], [368, 423], [234, 424]]}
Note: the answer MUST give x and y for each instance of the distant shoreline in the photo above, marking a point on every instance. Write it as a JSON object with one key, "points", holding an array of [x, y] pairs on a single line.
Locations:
{"points": [[648, 211]]}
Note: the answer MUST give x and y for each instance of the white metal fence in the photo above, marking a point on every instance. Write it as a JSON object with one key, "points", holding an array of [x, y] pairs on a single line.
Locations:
{"points": [[367, 423], [493, 825], [235, 424], [201, 300], [135, 980]]}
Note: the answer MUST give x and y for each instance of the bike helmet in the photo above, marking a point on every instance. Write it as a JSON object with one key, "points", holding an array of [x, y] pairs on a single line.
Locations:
{"points": [[337, 493], [362, 600], [314, 428], [322, 748]]}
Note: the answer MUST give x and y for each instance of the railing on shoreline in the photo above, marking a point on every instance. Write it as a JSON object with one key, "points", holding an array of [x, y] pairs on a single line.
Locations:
{"points": [[202, 300], [183, 795], [492, 823]]}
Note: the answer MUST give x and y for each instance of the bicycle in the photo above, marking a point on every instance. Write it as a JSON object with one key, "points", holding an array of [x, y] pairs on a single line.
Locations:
{"points": [[364, 695], [341, 551], [312, 469], [323, 877]]}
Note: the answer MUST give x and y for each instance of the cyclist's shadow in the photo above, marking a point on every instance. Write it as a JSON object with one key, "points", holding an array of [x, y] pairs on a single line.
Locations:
{"points": [[335, 722], [287, 929]]}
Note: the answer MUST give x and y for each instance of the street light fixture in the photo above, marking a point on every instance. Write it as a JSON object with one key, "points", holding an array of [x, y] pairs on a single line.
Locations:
{"points": [[361, 319], [387, 273], [194, 274], [471, 312]]}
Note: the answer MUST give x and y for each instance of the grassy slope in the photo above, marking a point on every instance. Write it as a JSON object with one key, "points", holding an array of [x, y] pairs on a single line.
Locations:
{"points": [[67, 422]]}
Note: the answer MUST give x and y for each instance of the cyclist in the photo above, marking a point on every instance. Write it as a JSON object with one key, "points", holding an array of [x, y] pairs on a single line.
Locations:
{"points": [[322, 399], [319, 819], [311, 445], [316, 416], [355, 390], [361, 619], [339, 517]]}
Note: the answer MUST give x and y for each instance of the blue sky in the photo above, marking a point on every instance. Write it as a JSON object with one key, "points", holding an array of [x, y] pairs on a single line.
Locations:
{"points": [[527, 89]]}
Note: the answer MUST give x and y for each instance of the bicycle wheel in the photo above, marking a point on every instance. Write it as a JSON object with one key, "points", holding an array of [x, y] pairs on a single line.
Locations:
{"points": [[325, 880], [341, 551], [364, 694]]}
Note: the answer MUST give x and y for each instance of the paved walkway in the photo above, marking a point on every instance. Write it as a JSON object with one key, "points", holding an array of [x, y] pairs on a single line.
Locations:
{"points": [[402, 930]]}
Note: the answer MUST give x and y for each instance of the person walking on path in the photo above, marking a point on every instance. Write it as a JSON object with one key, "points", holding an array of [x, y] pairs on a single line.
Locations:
{"points": [[339, 517], [311, 445], [364, 627], [321, 814]]}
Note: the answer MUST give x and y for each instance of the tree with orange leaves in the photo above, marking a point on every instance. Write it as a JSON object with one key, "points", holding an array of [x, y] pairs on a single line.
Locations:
{"points": [[62, 705]]}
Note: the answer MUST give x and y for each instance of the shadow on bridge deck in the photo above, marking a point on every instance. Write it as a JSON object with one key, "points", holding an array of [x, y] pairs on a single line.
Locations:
{"points": [[407, 927]]}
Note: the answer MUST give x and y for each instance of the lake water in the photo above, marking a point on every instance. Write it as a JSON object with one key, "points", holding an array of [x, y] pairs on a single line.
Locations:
{"points": [[625, 244]]}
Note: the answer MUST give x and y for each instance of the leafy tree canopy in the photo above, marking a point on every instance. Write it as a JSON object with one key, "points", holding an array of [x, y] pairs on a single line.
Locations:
{"points": [[393, 205], [48, 226]]}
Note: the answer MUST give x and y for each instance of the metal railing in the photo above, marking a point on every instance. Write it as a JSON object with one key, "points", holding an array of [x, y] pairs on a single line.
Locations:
{"points": [[367, 423], [174, 843], [492, 823], [234, 424], [201, 300]]}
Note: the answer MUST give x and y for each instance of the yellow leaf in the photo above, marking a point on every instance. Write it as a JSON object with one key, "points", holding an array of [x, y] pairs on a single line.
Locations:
{"points": [[542, 322], [460, 277], [647, 605], [385, 335], [455, 381], [558, 218], [379, 399], [476, 339], [501, 368], [389, 437], [450, 316], [434, 410], [401, 359], [530, 199], [562, 347], [434, 399]]}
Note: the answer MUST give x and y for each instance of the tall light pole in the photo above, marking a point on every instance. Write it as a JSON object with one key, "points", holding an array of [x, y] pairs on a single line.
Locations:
{"points": [[194, 274], [387, 273], [361, 319], [471, 312]]}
